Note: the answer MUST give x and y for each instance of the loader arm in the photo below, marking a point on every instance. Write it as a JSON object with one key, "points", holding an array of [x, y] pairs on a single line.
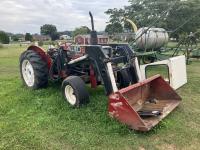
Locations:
{"points": [[104, 67], [97, 57]]}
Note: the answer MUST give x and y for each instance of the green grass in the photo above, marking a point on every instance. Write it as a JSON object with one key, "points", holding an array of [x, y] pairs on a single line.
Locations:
{"points": [[42, 120]]}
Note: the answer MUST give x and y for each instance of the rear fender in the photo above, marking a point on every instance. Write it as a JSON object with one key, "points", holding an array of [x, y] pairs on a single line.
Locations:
{"points": [[42, 53]]}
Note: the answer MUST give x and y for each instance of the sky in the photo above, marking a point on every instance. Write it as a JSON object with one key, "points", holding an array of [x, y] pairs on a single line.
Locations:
{"points": [[22, 16]]}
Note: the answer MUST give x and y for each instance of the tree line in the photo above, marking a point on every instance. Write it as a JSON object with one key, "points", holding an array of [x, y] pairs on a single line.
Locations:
{"points": [[6, 37], [47, 30]]}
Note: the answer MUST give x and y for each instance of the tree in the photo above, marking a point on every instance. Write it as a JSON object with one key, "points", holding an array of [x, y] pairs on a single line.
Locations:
{"points": [[146, 12], [114, 28], [4, 38], [49, 29], [15, 38], [109, 29], [81, 30], [184, 17], [116, 19], [28, 37], [168, 14], [55, 36]]}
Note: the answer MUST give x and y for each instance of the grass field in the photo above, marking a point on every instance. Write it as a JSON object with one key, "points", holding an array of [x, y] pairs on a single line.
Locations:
{"points": [[42, 120]]}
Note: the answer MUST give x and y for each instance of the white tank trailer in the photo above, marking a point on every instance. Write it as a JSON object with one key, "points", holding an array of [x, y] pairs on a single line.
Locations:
{"points": [[152, 39]]}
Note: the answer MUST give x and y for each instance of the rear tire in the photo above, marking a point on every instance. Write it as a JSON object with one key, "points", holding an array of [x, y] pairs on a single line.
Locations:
{"points": [[33, 70], [74, 91]]}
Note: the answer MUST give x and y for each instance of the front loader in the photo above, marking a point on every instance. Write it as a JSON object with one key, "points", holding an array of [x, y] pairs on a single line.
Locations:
{"points": [[138, 103]]}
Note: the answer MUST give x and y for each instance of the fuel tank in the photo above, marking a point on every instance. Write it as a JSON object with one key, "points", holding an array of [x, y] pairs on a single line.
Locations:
{"points": [[154, 38]]}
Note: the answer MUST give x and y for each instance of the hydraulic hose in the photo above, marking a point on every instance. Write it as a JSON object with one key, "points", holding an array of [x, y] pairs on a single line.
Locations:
{"points": [[134, 26]]}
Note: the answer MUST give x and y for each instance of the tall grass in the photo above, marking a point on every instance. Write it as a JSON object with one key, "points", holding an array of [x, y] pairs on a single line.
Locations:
{"points": [[1, 46]]}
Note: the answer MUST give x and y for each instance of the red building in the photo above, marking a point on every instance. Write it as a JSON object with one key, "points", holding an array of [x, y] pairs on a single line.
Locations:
{"points": [[85, 39]]}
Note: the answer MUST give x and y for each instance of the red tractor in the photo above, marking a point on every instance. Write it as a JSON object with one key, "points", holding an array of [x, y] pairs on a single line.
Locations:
{"points": [[139, 104]]}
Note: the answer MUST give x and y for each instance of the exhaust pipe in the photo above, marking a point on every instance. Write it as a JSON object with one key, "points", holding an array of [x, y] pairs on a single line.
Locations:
{"points": [[93, 34]]}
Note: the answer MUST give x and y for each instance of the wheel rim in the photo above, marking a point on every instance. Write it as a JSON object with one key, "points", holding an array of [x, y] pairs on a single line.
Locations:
{"points": [[70, 95], [28, 73]]}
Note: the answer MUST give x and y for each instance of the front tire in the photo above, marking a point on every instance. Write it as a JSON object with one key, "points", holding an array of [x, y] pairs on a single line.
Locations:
{"points": [[74, 91], [33, 70], [123, 79]]}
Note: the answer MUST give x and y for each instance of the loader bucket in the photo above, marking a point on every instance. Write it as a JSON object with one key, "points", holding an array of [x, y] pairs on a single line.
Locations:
{"points": [[143, 105]]}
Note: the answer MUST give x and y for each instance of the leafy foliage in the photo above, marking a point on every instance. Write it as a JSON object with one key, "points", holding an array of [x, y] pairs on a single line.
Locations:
{"points": [[81, 30], [15, 38], [55, 36], [1, 46], [168, 14], [114, 28], [114, 25], [28, 37], [50, 30], [40, 43], [4, 38]]}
